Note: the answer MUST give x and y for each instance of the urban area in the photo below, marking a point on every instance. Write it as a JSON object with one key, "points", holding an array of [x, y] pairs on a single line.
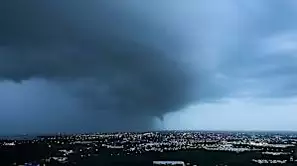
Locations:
{"points": [[186, 148]]}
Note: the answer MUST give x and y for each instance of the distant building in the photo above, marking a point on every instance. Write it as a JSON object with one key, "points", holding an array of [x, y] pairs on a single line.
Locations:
{"points": [[173, 163], [31, 164]]}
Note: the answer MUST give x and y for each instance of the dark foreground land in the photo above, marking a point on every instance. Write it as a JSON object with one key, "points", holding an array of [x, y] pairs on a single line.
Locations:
{"points": [[120, 149], [195, 157]]}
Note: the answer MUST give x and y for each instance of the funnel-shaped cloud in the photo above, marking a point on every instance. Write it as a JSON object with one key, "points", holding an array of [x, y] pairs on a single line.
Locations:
{"points": [[116, 59]]}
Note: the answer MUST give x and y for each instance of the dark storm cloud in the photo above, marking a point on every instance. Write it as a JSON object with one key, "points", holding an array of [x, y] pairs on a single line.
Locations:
{"points": [[117, 64], [37, 106], [115, 57]]}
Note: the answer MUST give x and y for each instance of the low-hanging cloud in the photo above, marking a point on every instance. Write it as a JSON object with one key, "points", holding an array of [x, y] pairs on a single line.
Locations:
{"points": [[115, 59], [129, 61]]}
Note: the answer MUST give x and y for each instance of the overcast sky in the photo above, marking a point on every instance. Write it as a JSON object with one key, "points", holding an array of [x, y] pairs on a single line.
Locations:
{"points": [[107, 65]]}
